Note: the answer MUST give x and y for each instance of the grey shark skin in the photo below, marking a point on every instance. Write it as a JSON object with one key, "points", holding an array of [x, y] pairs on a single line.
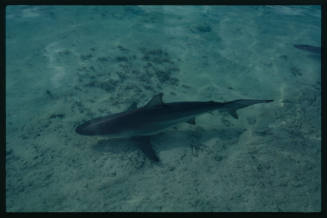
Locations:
{"points": [[309, 48], [140, 123]]}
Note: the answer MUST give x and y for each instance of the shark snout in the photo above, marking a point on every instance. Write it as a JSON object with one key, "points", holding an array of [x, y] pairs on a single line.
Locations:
{"points": [[84, 129]]}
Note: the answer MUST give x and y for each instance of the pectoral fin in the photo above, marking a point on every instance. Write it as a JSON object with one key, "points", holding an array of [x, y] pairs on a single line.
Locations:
{"points": [[144, 143]]}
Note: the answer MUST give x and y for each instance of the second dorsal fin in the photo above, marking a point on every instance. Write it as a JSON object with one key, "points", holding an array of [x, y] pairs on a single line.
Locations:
{"points": [[155, 100]]}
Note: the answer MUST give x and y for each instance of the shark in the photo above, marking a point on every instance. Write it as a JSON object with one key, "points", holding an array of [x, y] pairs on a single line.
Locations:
{"points": [[309, 48], [140, 123]]}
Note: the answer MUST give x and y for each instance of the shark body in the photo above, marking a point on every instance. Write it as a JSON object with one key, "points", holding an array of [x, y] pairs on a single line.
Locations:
{"points": [[156, 116]]}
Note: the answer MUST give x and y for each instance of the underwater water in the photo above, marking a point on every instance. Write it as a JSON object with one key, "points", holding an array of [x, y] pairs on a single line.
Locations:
{"points": [[69, 64]]}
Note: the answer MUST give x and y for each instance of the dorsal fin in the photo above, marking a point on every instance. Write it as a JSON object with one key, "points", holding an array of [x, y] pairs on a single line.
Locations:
{"points": [[133, 106], [155, 100]]}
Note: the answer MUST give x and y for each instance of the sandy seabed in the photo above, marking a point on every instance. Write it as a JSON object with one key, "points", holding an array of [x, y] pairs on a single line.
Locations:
{"points": [[66, 65]]}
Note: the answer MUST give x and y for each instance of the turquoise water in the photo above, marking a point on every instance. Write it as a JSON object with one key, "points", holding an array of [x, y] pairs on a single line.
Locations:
{"points": [[68, 64]]}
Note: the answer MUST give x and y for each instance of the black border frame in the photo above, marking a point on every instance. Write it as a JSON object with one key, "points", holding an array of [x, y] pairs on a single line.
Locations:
{"points": [[323, 5]]}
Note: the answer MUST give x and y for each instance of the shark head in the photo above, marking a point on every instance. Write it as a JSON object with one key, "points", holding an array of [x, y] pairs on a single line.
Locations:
{"points": [[86, 129], [116, 125], [107, 127]]}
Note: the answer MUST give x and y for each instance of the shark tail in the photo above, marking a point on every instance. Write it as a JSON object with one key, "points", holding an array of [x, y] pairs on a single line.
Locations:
{"points": [[233, 106]]}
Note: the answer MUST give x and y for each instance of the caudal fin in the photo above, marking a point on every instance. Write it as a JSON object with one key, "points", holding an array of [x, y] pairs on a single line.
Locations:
{"points": [[232, 106]]}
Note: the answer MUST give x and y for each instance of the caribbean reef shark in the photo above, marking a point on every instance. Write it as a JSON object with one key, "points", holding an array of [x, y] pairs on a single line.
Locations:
{"points": [[141, 123]]}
